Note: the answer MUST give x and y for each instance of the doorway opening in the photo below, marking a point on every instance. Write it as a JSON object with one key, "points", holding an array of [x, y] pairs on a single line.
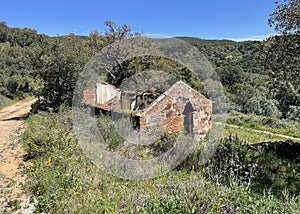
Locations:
{"points": [[188, 122]]}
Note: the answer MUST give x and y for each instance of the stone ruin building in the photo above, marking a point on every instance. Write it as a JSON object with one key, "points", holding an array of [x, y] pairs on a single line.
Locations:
{"points": [[179, 108]]}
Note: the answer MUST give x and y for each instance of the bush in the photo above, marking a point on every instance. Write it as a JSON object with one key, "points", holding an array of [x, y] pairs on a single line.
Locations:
{"points": [[271, 124], [46, 133], [64, 181], [3, 101], [262, 106], [294, 113], [235, 163]]}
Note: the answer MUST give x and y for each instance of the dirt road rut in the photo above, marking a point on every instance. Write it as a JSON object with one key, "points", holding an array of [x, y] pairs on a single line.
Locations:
{"points": [[11, 153]]}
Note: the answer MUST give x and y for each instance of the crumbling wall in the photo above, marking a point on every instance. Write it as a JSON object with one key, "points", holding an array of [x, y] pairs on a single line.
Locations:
{"points": [[156, 116], [105, 92], [89, 96], [167, 111]]}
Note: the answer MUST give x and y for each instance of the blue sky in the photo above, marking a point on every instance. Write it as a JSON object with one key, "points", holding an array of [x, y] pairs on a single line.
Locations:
{"points": [[209, 19]]}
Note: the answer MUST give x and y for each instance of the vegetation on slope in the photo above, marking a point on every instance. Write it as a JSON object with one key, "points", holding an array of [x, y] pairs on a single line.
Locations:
{"points": [[259, 78], [236, 179], [48, 67]]}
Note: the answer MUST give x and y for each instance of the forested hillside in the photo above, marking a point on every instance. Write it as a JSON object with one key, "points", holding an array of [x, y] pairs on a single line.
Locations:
{"points": [[47, 67], [239, 66], [254, 165]]}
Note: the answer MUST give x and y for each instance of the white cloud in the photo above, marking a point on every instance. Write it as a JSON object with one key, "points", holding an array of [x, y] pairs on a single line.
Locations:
{"points": [[253, 38]]}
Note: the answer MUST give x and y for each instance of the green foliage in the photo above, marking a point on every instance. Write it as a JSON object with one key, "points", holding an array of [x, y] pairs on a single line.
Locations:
{"points": [[17, 37], [61, 65], [95, 41], [281, 54], [49, 67], [108, 131], [111, 136], [14, 204], [286, 18], [277, 175], [49, 141], [15, 71], [37, 142], [229, 54], [115, 32], [33, 63], [262, 106], [235, 163], [156, 63], [3, 101], [273, 125], [251, 135], [164, 144], [64, 181], [17, 61], [230, 75], [240, 68], [281, 57], [294, 113], [259, 78], [236, 179]]}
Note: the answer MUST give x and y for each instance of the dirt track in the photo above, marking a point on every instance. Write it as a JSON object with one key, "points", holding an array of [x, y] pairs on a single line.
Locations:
{"points": [[11, 152], [265, 132]]}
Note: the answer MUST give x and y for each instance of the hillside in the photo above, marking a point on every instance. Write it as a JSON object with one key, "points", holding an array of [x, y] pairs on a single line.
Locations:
{"points": [[25, 67], [238, 178], [240, 68]]}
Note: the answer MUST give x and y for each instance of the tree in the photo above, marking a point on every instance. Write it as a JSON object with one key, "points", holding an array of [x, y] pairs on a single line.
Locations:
{"points": [[281, 54], [260, 105], [115, 32], [3, 32], [294, 113], [59, 61], [230, 75], [286, 17], [17, 37], [58, 64], [96, 41], [15, 71]]}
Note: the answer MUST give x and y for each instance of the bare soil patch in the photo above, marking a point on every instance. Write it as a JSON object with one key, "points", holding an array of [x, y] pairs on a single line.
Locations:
{"points": [[11, 154]]}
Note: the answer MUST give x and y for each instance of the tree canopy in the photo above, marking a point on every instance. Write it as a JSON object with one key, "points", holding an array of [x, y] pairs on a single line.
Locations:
{"points": [[281, 54], [258, 77], [286, 17]]}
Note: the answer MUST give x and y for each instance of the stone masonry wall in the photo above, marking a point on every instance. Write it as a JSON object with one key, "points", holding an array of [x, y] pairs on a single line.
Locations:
{"points": [[167, 113], [89, 96]]}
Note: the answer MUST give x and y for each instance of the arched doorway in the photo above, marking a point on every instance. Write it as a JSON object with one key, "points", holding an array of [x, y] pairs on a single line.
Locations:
{"points": [[188, 122]]}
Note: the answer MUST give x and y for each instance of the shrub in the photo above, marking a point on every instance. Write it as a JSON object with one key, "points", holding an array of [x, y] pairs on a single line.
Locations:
{"points": [[262, 106], [64, 181], [294, 113], [46, 133]]}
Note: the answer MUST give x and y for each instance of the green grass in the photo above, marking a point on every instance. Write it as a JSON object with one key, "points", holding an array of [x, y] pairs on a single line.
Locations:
{"points": [[249, 135], [5, 102], [14, 204], [273, 125], [64, 180]]}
